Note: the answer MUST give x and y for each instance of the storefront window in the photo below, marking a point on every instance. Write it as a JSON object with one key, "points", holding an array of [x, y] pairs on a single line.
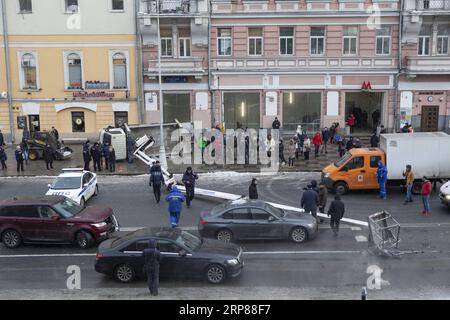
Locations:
{"points": [[242, 110], [301, 108], [177, 106], [78, 124]]}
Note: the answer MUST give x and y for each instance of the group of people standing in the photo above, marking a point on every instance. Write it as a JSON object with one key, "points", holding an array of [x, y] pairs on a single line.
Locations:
{"points": [[102, 155]]}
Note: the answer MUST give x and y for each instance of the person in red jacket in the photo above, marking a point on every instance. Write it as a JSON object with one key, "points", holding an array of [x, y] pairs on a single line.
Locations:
{"points": [[426, 191], [317, 142], [351, 121]]}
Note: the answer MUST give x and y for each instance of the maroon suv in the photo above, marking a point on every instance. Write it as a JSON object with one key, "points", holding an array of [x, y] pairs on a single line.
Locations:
{"points": [[54, 219]]}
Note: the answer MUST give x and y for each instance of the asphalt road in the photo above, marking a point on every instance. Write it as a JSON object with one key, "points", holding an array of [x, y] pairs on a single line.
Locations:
{"points": [[327, 266]]}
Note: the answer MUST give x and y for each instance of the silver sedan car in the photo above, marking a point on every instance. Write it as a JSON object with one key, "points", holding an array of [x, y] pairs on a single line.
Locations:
{"points": [[253, 219]]}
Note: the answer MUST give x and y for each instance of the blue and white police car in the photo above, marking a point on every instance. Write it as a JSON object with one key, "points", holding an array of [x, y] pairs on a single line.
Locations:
{"points": [[76, 184]]}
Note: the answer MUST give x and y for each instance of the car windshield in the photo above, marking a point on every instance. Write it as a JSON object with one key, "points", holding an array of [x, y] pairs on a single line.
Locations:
{"points": [[188, 240], [67, 183], [343, 160], [217, 209], [68, 208], [275, 211]]}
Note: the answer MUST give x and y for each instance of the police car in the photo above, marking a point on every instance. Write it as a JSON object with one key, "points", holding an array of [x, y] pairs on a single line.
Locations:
{"points": [[76, 184]]}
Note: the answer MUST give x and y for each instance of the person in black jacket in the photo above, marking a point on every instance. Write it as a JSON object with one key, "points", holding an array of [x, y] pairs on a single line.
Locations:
{"points": [[276, 123], [96, 154], [86, 155], [156, 179], [189, 178], [310, 201], [19, 158], [253, 190], [55, 133], [48, 156], [336, 211], [152, 258], [112, 159], [2, 139], [374, 141], [3, 158]]}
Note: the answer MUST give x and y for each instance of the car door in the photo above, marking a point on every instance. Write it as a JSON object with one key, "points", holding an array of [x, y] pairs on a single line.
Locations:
{"points": [[371, 178], [27, 220], [86, 184], [262, 227], [356, 172], [53, 227], [242, 224], [133, 255]]}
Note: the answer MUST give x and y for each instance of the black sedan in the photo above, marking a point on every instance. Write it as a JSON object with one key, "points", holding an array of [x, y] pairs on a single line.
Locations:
{"points": [[252, 219], [183, 254]]}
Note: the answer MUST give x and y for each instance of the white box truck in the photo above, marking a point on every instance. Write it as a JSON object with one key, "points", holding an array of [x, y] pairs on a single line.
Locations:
{"points": [[427, 152]]}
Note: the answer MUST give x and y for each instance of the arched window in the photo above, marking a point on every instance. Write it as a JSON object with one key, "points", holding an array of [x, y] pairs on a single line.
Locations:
{"points": [[75, 75], [29, 71], [120, 71]]}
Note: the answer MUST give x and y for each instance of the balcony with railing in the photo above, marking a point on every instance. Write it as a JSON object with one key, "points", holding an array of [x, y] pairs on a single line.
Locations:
{"points": [[170, 7], [186, 66], [433, 5]]}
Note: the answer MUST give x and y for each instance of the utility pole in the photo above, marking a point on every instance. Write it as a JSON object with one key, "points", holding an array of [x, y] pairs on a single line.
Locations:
{"points": [[162, 149]]}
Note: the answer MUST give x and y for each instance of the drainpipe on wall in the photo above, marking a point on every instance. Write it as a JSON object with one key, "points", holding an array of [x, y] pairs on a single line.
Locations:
{"points": [[209, 66], [8, 70], [138, 63], [400, 69]]}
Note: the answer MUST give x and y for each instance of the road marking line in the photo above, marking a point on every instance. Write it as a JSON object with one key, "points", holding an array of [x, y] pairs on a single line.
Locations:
{"points": [[132, 229], [49, 255], [361, 238]]}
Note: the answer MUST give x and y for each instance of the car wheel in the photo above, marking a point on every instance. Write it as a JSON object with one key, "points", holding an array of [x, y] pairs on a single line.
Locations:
{"points": [[124, 273], [83, 203], [215, 274], [33, 155], [84, 239], [224, 235], [96, 191], [11, 239], [298, 235], [340, 188]]}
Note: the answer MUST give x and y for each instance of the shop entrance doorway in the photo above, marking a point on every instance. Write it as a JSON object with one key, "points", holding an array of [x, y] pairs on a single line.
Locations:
{"points": [[367, 107]]}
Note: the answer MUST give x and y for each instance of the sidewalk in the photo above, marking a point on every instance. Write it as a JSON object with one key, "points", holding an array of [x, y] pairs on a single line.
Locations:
{"points": [[38, 168]]}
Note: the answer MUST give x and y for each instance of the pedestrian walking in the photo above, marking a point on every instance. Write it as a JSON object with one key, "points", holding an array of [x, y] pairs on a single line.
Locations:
{"points": [[276, 124], [281, 152], [382, 179], [310, 201], [48, 156], [325, 138], [175, 199], [323, 194], [374, 141], [19, 159], [86, 155], [426, 191], [253, 190], [336, 213], [350, 144], [351, 121], [156, 179], [291, 152], [409, 177], [152, 258], [306, 148], [341, 146], [105, 154], [2, 139], [270, 145], [55, 133], [25, 149], [112, 159], [317, 142], [189, 178], [96, 156], [3, 158]]}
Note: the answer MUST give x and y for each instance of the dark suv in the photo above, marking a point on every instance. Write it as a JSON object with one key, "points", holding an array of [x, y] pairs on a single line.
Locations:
{"points": [[54, 219]]}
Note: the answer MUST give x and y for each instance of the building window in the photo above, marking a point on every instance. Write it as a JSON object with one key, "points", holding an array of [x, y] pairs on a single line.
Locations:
{"points": [[177, 106], [117, 5], [224, 42], [71, 6], [185, 47], [286, 41], [423, 47], [75, 73], [350, 40], [78, 124], [384, 40], [442, 40], [242, 110], [120, 118], [255, 41], [120, 71], [25, 6], [29, 72], [317, 40], [302, 108], [166, 47]]}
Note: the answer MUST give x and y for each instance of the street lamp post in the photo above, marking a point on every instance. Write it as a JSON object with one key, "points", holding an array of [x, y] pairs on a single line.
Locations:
{"points": [[162, 149]]}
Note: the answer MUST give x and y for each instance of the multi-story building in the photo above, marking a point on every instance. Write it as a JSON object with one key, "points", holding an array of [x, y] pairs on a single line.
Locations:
{"points": [[183, 33], [307, 62], [72, 66], [425, 77]]}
